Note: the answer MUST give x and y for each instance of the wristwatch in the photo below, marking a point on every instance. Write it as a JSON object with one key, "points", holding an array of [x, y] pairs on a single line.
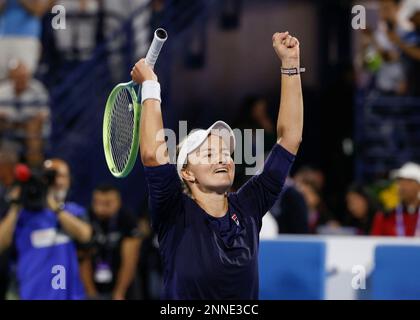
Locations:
{"points": [[292, 71]]}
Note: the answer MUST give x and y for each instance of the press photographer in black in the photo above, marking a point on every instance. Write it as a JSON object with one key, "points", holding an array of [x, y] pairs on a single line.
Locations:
{"points": [[109, 269], [44, 229]]}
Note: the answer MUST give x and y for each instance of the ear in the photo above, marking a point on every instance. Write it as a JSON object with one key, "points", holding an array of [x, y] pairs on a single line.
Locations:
{"points": [[187, 175]]}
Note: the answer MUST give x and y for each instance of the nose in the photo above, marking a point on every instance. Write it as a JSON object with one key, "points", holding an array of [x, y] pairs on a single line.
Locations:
{"points": [[222, 159]]}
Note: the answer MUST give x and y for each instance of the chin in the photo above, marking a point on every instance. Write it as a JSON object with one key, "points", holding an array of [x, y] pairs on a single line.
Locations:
{"points": [[223, 186]]}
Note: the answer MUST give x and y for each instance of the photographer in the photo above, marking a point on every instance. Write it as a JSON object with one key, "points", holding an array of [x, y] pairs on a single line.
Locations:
{"points": [[43, 230], [109, 269]]}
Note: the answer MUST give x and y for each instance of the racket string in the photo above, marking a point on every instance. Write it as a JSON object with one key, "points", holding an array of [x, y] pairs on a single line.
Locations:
{"points": [[121, 129]]}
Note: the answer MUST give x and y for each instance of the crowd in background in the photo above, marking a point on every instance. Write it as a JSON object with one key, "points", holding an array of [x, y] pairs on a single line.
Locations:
{"points": [[302, 208], [110, 252], [388, 60], [107, 251]]}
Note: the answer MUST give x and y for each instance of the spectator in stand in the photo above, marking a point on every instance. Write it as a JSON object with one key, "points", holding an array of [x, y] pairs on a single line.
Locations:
{"points": [[404, 220], [361, 209], [390, 77], [25, 114], [318, 214], [367, 60], [109, 268], [409, 45], [20, 30], [78, 40], [311, 175], [115, 14]]}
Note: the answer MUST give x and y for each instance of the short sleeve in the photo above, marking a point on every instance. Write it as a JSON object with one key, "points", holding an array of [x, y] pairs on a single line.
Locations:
{"points": [[77, 210], [261, 191], [165, 194], [129, 225]]}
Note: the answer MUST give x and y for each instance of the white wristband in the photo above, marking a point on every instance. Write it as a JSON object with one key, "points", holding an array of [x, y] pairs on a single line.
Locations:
{"points": [[150, 89]]}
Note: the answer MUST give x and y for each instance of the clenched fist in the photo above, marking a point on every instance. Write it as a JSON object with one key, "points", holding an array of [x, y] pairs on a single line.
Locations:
{"points": [[287, 49], [142, 72]]}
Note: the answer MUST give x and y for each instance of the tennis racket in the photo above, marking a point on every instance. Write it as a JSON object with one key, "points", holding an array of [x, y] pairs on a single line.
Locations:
{"points": [[122, 118]]}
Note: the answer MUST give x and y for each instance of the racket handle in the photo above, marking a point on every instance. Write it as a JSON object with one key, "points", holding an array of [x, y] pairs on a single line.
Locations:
{"points": [[159, 39], [139, 94]]}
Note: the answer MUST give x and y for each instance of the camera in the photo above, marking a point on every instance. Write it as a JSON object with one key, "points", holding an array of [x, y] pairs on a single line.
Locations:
{"points": [[34, 189]]}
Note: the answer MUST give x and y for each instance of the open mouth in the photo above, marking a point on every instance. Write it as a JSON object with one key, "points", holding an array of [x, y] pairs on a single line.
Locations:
{"points": [[221, 170]]}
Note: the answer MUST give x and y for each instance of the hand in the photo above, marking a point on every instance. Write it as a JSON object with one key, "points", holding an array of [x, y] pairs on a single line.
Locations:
{"points": [[52, 203], [142, 72], [13, 196], [287, 49]]}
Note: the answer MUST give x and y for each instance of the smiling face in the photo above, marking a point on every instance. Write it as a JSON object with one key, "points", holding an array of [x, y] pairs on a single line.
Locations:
{"points": [[210, 167]]}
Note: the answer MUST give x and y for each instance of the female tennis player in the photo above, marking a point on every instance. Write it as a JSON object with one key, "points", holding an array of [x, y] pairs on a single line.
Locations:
{"points": [[209, 238]]}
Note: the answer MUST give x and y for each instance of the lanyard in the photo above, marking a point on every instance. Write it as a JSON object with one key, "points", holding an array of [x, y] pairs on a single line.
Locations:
{"points": [[400, 222]]}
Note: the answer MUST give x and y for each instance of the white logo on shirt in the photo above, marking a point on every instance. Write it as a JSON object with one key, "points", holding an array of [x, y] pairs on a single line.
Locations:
{"points": [[47, 238]]}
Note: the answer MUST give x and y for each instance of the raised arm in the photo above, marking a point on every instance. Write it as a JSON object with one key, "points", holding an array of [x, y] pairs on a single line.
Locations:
{"points": [[290, 117], [153, 149]]}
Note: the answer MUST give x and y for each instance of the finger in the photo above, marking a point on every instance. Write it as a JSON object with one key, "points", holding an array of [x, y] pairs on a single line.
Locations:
{"points": [[288, 41], [280, 36], [294, 42]]}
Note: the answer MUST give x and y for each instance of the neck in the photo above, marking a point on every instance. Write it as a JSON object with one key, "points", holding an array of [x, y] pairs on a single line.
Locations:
{"points": [[214, 204]]}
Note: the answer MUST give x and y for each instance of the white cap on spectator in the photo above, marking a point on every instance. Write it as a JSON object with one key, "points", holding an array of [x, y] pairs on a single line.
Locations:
{"points": [[408, 9], [409, 170], [197, 137]]}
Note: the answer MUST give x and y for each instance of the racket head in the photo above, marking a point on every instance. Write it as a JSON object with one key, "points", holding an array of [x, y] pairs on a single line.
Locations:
{"points": [[121, 129]]}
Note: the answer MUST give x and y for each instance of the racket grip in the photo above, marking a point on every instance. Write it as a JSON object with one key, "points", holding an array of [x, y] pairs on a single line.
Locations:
{"points": [[139, 94], [159, 39]]}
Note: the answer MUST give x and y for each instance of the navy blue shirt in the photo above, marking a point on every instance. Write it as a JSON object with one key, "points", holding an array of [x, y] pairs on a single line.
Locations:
{"points": [[206, 257]]}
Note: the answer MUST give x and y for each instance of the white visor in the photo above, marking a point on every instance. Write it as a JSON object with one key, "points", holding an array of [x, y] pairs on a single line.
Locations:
{"points": [[197, 137]]}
